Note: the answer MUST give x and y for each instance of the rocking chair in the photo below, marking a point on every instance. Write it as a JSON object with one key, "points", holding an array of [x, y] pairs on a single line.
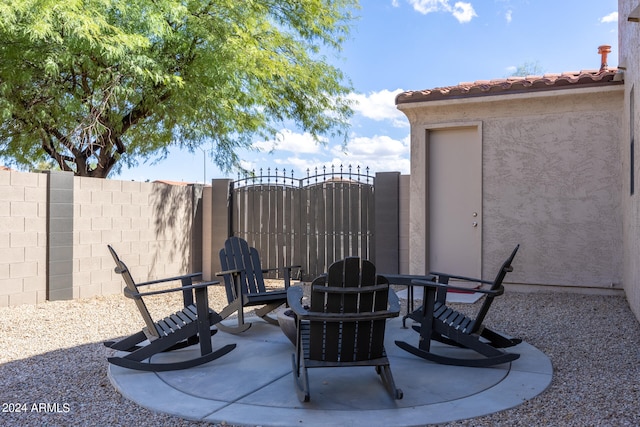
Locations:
{"points": [[444, 324], [244, 283], [189, 326], [345, 324]]}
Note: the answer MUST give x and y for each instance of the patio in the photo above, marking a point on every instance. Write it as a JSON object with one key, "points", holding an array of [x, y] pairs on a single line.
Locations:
{"points": [[253, 385], [593, 343]]}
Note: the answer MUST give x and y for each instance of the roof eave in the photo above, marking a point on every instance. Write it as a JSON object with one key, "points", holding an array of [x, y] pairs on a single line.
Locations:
{"points": [[511, 95], [512, 87]]}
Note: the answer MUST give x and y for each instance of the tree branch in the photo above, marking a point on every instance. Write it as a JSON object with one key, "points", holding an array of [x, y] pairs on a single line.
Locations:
{"points": [[61, 159], [63, 139], [140, 112]]}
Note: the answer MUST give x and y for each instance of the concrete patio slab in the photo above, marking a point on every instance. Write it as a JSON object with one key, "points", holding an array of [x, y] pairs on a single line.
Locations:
{"points": [[253, 385]]}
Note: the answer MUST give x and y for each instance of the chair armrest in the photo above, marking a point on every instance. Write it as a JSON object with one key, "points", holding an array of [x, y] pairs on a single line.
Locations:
{"points": [[294, 300], [347, 290], [287, 272], [225, 272], [286, 267], [130, 294], [463, 278], [405, 279], [169, 279], [342, 317], [436, 285]]}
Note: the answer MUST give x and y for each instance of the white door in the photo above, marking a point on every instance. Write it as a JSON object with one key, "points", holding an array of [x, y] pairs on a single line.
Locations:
{"points": [[455, 201]]}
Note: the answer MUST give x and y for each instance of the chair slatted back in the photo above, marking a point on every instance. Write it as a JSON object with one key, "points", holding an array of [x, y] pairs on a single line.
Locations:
{"points": [[497, 283], [237, 255], [130, 284], [348, 340]]}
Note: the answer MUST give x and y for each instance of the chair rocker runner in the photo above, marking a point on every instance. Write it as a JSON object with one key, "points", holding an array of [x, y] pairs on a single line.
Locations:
{"points": [[244, 283], [444, 324], [189, 326], [345, 323]]}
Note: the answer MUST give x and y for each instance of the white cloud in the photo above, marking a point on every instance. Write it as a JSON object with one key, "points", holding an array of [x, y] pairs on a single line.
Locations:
{"points": [[300, 165], [247, 165], [429, 6], [612, 17], [508, 16], [380, 153], [462, 11], [295, 151], [378, 145], [287, 140], [380, 106]]}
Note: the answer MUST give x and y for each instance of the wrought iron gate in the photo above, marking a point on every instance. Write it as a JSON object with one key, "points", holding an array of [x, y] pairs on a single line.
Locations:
{"points": [[312, 221]]}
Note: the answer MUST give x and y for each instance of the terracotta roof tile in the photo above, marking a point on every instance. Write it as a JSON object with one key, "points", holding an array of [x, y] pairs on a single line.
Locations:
{"points": [[567, 80]]}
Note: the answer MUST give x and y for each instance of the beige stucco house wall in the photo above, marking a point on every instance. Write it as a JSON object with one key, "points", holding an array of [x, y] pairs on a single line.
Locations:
{"points": [[560, 171], [551, 175], [629, 56]]}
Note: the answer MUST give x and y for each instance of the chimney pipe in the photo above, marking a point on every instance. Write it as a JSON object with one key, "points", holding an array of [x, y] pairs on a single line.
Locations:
{"points": [[604, 50]]}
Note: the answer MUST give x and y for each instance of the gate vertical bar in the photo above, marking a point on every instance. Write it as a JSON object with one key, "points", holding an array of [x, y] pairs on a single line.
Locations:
{"points": [[321, 229], [312, 230], [345, 219], [355, 209]]}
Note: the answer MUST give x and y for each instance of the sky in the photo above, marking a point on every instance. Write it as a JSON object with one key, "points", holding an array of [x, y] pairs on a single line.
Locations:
{"points": [[402, 45]]}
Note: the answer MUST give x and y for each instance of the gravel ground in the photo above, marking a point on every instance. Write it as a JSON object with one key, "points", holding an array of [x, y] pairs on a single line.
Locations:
{"points": [[53, 365]]}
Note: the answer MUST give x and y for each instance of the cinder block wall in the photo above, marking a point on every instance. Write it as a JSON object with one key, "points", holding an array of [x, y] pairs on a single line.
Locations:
{"points": [[23, 243], [55, 228], [54, 231], [215, 226], [148, 224]]}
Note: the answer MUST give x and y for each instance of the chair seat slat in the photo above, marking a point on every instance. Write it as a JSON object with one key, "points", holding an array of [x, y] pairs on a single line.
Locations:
{"points": [[164, 328], [191, 311], [183, 317]]}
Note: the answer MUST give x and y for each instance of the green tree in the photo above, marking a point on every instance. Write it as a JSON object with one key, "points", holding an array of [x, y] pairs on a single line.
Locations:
{"points": [[528, 68], [93, 84]]}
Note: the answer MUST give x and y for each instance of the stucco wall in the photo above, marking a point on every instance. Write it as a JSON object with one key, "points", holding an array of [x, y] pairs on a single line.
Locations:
{"points": [[629, 48], [551, 182]]}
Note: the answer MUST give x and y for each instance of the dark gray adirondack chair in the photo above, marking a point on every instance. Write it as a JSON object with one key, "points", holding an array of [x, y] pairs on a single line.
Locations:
{"points": [[189, 326], [244, 283], [444, 324], [345, 323]]}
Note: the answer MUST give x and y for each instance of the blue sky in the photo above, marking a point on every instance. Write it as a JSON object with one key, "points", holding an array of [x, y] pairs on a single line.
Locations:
{"points": [[399, 45]]}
